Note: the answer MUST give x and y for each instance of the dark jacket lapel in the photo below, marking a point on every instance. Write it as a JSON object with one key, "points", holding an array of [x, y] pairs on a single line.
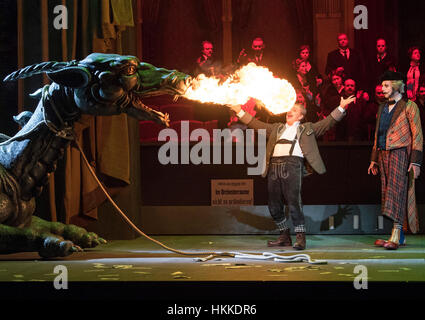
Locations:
{"points": [[300, 130], [378, 119], [280, 130], [398, 109]]}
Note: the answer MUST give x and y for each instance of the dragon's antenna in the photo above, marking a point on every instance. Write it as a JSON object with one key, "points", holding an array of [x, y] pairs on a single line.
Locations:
{"points": [[33, 69]]}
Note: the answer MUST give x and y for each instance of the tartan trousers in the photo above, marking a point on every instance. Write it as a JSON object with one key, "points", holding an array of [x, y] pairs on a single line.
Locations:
{"points": [[393, 165]]}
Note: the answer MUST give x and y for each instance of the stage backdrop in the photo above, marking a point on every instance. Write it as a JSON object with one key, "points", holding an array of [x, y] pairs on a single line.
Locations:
{"points": [[176, 198], [173, 30]]}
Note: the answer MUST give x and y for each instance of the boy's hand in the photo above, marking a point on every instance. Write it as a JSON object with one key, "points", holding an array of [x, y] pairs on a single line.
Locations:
{"points": [[234, 107], [345, 102], [259, 104]]}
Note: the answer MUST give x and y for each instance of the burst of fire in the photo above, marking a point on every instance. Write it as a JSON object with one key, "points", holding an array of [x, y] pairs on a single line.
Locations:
{"points": [[251, 81]]}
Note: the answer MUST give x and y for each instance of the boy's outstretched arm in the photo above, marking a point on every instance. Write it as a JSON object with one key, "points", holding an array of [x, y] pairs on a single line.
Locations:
{"points": [[320, 127]]}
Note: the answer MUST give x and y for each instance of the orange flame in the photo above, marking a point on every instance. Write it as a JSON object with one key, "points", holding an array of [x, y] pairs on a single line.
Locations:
{"points": [[251, 81]]}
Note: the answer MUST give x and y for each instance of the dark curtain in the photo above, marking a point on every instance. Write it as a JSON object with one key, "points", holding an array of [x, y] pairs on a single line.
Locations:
{"points": [[283, 25], [8, 49], [411, 30], [173, 31], [241, 13], [210, 19], [211, 14], [382, 22], [150, 9], [302, 10]]}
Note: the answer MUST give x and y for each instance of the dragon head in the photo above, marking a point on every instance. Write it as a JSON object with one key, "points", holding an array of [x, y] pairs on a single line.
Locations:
{"points": [[109, 84]]}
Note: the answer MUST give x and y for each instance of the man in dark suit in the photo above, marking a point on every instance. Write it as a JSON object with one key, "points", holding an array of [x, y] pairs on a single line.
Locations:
{"points": [[255, 54], [378, 64], [206, 63], [291, 147], [353, 126], [371, 112], [347, 58]]}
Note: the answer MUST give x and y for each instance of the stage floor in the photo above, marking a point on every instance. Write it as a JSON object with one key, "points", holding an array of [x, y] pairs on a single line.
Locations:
{"points": [[141, 260]]}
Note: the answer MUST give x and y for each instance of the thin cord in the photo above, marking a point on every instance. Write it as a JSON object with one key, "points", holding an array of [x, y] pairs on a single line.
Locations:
{"points": [[211, 254]]}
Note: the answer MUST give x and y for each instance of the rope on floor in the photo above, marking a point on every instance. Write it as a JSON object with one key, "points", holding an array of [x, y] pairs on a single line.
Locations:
{"points": [[278, 258], [210, 254], [302, 257]]}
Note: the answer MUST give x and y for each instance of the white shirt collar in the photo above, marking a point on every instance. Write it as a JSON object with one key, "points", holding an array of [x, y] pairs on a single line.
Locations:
{"points": [[295, 124], [378, 56]]}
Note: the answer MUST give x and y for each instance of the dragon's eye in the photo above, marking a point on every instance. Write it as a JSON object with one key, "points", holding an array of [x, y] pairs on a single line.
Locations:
{"points": [[130, 70]]}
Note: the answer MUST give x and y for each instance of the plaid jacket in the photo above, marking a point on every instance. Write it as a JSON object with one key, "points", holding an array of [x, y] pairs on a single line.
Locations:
{"points": [[404, 131]]}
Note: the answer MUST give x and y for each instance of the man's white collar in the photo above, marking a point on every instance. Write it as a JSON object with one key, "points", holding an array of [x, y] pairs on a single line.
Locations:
{"points": [[296, 124]]}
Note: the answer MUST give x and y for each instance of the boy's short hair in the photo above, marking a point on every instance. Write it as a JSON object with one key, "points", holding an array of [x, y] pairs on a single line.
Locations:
{"points": [[302, 108]]}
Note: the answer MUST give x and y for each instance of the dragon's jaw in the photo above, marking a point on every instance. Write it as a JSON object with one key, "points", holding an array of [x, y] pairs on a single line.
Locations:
{"points": [[140, 111], [174, 83]]}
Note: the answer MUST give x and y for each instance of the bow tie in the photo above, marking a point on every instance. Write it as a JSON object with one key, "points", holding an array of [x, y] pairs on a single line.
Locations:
{"points": [[390, 102]]}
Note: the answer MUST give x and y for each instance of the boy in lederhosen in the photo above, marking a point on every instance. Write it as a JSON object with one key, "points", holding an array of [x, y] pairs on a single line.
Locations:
{"points": [[290, 147]]}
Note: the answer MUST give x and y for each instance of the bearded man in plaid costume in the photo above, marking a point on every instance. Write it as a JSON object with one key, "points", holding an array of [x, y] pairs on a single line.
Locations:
{"points": [[397, 154]]}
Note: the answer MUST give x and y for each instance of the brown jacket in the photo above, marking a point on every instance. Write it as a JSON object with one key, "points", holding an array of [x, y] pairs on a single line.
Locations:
{"points": [[306, 135]]}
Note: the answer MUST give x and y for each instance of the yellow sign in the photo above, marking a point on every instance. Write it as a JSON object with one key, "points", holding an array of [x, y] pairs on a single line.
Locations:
{"points": [[227, 193]]}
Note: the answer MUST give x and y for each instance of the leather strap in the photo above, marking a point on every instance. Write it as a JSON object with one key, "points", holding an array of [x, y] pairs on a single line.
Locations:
{"points": [[291, 142]]}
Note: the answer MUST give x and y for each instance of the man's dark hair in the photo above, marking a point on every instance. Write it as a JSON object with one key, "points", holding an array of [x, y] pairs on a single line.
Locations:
{"points": [[338, 73], [340, 34]]}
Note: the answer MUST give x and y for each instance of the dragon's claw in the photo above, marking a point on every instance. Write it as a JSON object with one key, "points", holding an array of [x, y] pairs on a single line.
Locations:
{"points": [[54, 247], [76, 248]]}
